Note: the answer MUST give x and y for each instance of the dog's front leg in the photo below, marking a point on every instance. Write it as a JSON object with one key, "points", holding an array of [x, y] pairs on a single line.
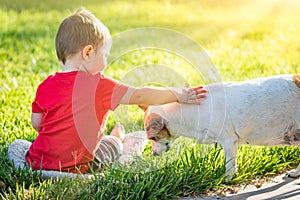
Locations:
{"points": [[230, 147]]}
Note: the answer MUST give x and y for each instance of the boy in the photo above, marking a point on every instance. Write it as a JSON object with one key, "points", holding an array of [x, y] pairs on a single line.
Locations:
{"points": [[71, 107]]}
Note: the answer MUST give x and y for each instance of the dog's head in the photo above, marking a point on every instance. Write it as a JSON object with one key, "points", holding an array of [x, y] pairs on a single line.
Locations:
{"points": [[157, 131]]}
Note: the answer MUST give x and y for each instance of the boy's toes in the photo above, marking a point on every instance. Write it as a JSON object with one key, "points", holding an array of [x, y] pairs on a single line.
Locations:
{"points": [[118, 131]]}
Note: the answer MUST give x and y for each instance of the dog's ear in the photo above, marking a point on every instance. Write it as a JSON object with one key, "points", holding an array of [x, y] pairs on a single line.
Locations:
{"points": [[154, 125], [143, 107]]}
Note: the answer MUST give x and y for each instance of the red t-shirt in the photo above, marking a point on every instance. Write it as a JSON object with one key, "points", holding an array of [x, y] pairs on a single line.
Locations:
{"points": [[75, 107]]}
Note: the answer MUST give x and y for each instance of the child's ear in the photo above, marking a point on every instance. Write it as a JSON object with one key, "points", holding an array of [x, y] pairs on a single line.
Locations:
{"points": [[86, 51], [143, 107]]}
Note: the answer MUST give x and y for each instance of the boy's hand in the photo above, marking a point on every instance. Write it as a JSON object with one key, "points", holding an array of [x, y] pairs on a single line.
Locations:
{"points": [[192, 95]]}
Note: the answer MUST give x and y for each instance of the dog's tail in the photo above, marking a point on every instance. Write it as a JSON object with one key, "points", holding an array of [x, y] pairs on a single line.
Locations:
{"points": [[296, 79]]}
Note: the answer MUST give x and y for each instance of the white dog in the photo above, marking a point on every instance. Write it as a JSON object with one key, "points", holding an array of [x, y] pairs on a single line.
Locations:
{"points": [[262, 111]]}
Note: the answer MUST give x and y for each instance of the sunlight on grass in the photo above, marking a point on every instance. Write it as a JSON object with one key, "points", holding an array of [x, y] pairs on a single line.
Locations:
{"points": [[245, 39]]}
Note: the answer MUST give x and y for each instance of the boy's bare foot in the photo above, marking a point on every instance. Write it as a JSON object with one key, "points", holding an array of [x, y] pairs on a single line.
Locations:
{"points": [[118, 131]]}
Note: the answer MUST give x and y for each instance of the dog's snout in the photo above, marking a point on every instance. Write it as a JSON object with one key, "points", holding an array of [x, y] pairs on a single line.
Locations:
{"points": [[155, 154], [168, 148]]}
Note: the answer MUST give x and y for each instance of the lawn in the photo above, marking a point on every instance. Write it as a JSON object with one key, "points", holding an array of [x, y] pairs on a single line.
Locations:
{"points": [[243, 38]]}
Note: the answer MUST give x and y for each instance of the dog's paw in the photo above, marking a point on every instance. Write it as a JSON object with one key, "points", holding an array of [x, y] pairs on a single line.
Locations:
{"points": [[294, 173], [228, 178]]}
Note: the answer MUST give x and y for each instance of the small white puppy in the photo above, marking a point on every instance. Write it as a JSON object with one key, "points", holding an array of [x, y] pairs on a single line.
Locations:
{"points": [[263, 111]]}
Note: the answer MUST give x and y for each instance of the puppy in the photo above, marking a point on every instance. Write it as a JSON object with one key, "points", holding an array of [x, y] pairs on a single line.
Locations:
{"points": [[263, 111]]}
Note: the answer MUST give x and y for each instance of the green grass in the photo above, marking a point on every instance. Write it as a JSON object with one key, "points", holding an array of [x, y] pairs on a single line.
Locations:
{"points": [[245, 39]]}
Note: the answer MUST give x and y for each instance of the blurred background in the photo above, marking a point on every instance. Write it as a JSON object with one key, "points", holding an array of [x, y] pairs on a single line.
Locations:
{"points": [[243, 38]]}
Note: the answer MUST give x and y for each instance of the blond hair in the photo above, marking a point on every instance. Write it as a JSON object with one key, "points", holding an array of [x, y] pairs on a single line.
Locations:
{"points": [[78, 30]]}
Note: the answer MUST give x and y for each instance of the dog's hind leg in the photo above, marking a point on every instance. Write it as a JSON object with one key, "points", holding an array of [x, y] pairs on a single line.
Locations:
{"points": [[295, 173], [230, 147]]}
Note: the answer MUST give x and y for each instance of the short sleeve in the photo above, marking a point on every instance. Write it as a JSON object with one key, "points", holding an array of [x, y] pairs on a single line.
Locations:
{"points": [[35, 108], [111, 92]]}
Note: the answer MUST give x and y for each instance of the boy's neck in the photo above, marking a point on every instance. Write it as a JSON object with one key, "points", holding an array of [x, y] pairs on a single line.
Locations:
{"points": [[71, 65], [68, 68]]}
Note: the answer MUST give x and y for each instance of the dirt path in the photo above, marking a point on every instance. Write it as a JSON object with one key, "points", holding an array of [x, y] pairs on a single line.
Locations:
{"points": [[279, 187]]}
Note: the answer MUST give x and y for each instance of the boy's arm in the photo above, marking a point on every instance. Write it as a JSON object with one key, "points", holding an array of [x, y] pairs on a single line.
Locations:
{"points": [[158, 96], [36, 120]]}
